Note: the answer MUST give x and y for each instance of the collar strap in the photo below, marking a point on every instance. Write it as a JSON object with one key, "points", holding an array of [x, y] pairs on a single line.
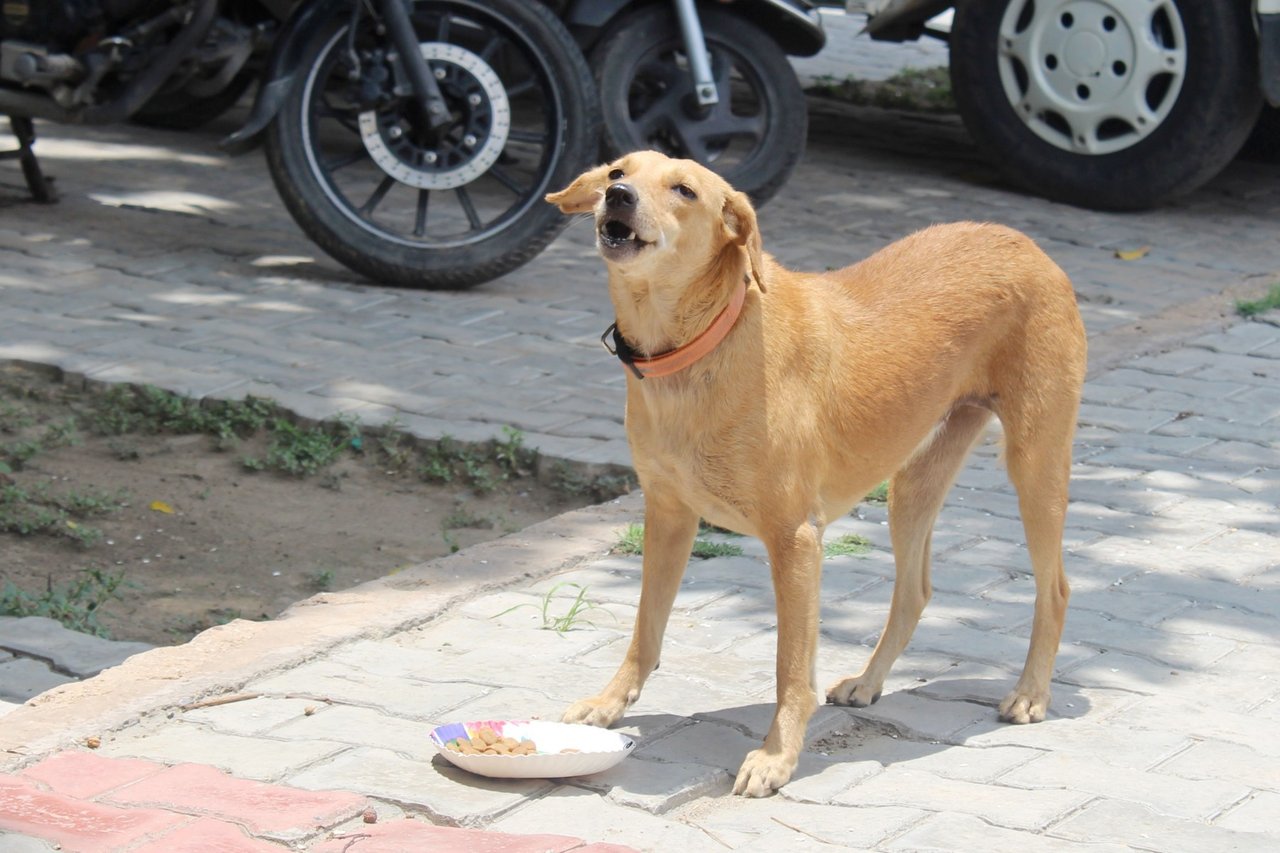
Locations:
{"points": [[673, 361]]}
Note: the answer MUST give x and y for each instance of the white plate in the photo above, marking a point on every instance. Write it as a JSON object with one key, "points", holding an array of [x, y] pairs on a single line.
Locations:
{"points": [[597, 749]]}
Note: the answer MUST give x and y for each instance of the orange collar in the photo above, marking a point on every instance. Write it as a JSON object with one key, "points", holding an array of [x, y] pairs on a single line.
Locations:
{"points": [[679, 358]]}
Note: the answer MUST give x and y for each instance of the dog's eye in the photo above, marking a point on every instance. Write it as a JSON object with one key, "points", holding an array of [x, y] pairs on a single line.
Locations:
{"points": [[617, 175], [685, 191]]}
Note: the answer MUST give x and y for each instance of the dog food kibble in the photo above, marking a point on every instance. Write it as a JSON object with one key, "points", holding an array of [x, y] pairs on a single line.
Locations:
{"points": [[487, 742]]}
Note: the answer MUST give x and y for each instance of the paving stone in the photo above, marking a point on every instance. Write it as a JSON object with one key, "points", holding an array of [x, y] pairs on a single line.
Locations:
{"points": [[75, 824], [1125, 745], [1030, 809], [206, 835], [966, 832], [252, 716], [403, 835], [11, 842], [1168, 795], [657, 787], [85, 775], [362, 727], [352, 684], [71, 652], [598, 820], [23, 678], [1231, 762], [738, 822], [254, 758], [447, 794], [1120, 822], [1257, 814]]}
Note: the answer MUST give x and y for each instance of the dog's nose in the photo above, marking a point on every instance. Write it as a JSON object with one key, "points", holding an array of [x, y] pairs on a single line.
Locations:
{"points": [[620, 196]]}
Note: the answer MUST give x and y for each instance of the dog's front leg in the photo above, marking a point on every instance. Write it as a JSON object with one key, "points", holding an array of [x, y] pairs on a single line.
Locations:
{"points": [[669, 530], [796, 562]]}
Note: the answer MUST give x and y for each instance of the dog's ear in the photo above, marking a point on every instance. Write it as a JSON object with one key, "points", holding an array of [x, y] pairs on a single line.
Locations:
{"points": [[740, 222], [581, 195]]}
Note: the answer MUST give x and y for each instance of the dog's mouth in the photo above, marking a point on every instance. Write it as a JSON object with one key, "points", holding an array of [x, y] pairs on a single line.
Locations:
{"points": [[616, 235]]}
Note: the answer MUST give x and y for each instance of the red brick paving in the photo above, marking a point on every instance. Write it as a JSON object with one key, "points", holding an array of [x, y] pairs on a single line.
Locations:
{"points": [[91, 804]]}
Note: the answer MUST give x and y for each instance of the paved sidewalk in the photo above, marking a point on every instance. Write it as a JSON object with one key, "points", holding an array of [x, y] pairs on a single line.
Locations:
{"points": [[1167, 696]]}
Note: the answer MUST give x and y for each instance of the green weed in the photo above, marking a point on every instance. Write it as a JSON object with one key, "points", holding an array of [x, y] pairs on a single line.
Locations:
{"points": [[848, 545], [571, 482], [75, 605], [878, 495], [631, 542], [567, 621], [302, 451], [1270, 302]]}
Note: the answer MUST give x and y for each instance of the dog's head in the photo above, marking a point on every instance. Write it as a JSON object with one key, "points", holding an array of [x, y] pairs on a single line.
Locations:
{"points": [[652, 211]]}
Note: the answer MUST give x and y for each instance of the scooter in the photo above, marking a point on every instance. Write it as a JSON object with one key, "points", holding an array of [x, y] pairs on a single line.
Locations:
{"points": [[413, 141]]}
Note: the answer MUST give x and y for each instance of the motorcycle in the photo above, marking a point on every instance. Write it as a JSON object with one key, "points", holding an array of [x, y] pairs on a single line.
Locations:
{"points": [[708, 82], [412, 141]]}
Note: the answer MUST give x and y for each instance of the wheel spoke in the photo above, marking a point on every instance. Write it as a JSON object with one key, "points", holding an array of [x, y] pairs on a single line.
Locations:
{"points": [[442, 28], [517, 89], [490, 48], [530, 136], [355, 156], [420, 220], [500, 175], [378, 195], [469, 208]]}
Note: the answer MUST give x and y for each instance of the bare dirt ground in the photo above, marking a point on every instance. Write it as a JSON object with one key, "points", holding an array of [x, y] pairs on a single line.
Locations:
{"points": [[190, 536]]}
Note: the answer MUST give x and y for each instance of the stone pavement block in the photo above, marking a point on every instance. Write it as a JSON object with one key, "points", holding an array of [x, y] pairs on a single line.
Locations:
{"points": [[1125, 420], [1179, 650], [1203, 621], [1165, 794], [208, 835], [1246, 594], [84, 775], [275, 811], [737, 822], [704, 743], [1120, 822], [252, 716], [1017, 808], [446, 793], [22, 678], [947, 832], [511, 703], [1091, 439], [1230, 762], [415, 835], [11, 842], [362, 727], [657, 787], [76, 824], [924, 718], [1115, 742], [594, 818], [255, 758], [1257, 814], [1205, 722], [351, 683], [72, 652]]}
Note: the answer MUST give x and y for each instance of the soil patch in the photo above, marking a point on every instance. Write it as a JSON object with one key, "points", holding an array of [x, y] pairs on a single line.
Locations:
{"points": [[144, 519]]}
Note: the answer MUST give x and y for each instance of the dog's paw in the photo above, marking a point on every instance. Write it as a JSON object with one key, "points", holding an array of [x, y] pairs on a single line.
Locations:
{"points": [[596, 711], [1024, 706], [853, 691], [762, 773]]}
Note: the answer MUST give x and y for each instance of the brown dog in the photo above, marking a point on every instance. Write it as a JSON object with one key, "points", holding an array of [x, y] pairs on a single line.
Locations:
{"points": [[778, 399]]}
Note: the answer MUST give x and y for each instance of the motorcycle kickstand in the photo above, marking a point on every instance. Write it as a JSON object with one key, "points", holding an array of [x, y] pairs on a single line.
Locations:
{"points": [[41, 187]]}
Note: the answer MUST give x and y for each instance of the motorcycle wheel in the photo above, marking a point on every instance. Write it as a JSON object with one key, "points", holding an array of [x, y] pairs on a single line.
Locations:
{"points": [[754, 137], [403, 207], [1105, 105]]}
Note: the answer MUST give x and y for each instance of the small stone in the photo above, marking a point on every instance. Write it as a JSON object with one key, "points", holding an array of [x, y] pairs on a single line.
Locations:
{"points": [[309, 710], [370, 816], [93, 741]]}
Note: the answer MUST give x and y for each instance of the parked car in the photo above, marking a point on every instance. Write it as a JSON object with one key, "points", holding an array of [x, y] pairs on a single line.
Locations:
{"points": [[1107, 104]]}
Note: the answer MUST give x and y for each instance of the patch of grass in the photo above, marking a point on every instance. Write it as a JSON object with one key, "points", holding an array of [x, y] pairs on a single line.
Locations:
{"points": [[75, 605], [125, 409], [303, 451], [567, 621], [320, 580], [14, 417], [878, 495], [848, 545], [462, 517], [631, 542], [571, 482], [915, 89], [27, 512], [481, 467], [1253, 308]]}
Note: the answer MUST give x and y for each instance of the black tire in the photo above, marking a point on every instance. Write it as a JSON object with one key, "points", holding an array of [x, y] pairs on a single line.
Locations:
{"points": [[492, 219], [181, 111], [1199, 105], [754, 137]]}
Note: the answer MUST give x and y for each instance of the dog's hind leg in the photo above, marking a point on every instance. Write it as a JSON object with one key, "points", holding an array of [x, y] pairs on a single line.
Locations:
{"points": [[916, 494], [1039, 460], [669, 531]]}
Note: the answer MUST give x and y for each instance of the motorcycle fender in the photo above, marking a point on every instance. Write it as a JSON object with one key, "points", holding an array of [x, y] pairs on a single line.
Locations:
{"points": [[903, 20], [281, 70], [795, 25]]}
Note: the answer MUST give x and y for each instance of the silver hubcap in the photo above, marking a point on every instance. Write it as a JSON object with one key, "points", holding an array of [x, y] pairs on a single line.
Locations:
{"points": [[1092, 76], [471, 155]]}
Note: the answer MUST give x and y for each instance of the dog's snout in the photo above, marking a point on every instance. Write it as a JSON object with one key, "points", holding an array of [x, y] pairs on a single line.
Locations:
{"points": [[620, 196]]}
